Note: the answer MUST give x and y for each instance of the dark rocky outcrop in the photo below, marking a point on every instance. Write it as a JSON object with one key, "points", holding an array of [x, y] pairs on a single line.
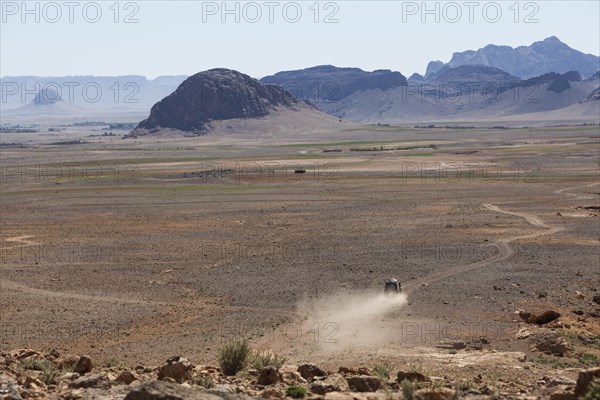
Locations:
{"points": [[216, 94], [558, 83], [561, 82], [475, 74], [329, 83]]}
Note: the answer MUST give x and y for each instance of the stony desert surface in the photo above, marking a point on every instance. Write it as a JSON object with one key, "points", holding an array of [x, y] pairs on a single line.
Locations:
{"points": [[139, 250]]}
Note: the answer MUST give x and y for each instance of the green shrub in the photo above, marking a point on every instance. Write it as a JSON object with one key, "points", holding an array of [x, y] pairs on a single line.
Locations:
{"points": [[50, 375], [36, 364], [408, 389], [296, 391], [264, 358], [382, 371], [234, 356]]}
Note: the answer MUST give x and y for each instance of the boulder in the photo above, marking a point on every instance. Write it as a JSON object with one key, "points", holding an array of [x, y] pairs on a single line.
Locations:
{"points": [[411, 376], [272, 393], [559, 380], [451, 345], [34, 383], [8, 389], [126, 377], [91, 381], [222, 389], [268, 376], [524, 333], [544, 318], [84, 365], [333, 383], [563, 394], [584, 380], [69, 376], [309, 371], [26, 353], [364, 383], [160, 390], [549, 342], [177, 368], [596, 299], [435, 394]]}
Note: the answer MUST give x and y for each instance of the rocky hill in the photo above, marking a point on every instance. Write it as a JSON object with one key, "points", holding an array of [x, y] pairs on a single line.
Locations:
{"points": [[215, 95], [549, 55], [329, 83], [47, 103], [47, 96]]}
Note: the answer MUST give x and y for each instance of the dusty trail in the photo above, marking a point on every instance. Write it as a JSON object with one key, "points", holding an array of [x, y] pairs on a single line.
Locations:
{"points": [[23, 240], [76, 296], [575, 195], [502, 245]]}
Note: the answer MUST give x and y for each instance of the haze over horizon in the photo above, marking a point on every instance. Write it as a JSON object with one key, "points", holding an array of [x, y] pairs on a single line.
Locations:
{"points": [[193, 37]]}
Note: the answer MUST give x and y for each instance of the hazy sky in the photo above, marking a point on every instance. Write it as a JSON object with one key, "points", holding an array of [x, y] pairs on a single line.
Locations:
{"points": [[185, 37]]}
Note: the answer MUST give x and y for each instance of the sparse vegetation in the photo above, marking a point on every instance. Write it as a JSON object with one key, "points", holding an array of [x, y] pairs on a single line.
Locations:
{"points": [[113, 362], [50, 374], [382, 371], [263, 358], [463, 385], [49, 371], [408, 389], [296, 391], [234, 356], [580, 360], [35, 364]]}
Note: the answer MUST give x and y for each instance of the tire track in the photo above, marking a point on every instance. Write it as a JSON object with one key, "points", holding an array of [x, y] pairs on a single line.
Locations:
{"points": [[76, 296], [503, 246]]}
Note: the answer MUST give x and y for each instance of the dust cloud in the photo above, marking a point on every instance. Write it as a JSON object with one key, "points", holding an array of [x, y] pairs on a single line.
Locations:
{"points": [[351, 319]]}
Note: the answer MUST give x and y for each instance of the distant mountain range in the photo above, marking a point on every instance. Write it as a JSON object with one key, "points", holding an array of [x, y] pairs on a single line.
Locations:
{"points": [[492, 82], [475, 93], [548, 55], [91, 93]]}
